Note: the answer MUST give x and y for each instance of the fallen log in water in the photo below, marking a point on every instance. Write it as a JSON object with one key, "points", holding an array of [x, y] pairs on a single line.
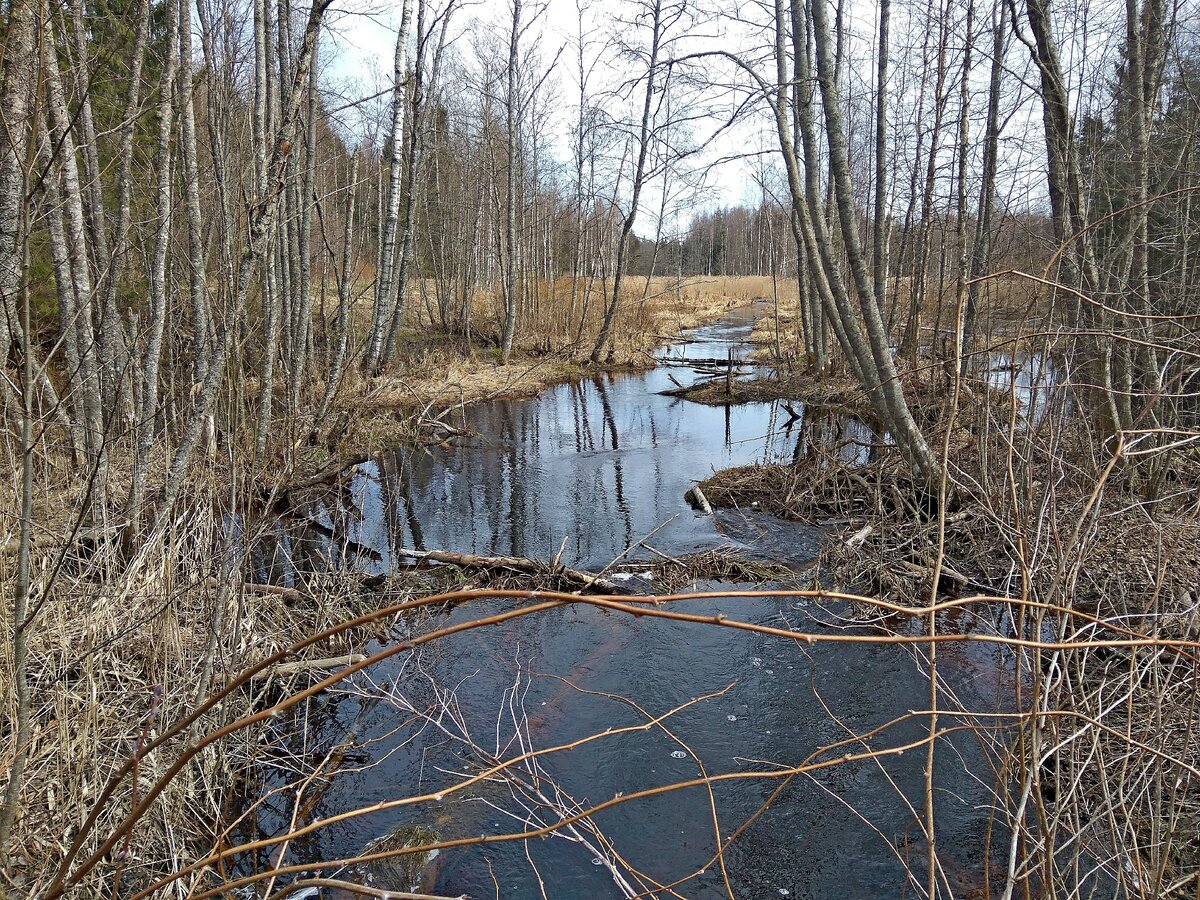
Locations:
{"points": [[686, 390], [330, 474], [581, 579], [707, 362]]}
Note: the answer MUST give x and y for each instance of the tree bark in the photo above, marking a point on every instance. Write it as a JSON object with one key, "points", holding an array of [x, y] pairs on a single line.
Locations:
{"points": [[511, 243], [152, 354], [385, 281], [981, 246]]}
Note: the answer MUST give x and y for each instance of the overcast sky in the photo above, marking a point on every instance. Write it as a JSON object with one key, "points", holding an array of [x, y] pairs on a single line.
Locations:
{"points": [[358, 58]]}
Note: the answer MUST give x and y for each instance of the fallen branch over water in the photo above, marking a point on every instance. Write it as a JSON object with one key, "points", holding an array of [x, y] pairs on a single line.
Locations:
{"points": [[577, 577], [296, 888]]}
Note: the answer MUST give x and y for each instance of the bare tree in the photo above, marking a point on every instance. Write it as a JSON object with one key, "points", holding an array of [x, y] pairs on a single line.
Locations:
{"points": [[388, 248], [511, 243], [658, 24]]}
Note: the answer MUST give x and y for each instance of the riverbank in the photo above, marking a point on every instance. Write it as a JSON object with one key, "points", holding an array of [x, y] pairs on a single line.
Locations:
{"points": [[195, 623], [128, 643], [436, 371], [1056, 547]]}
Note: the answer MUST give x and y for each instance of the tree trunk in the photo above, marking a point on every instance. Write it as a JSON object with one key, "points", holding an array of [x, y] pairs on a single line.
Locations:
{"points": [[152, 354], [385, 280], [981, 248], [639, 178], [510, 191]]}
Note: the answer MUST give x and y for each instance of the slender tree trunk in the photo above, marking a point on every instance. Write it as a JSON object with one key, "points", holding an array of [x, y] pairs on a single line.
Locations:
{"points": [[981, 247], [892, 406], [879, 228], [303, 312], [266, 113], [1068, 210], [18, 67], [511, 245], [422, 89], [19, 73], [114, 345], [639, 178], [86, 379], [197, 258], [345, 288], [385, 280], [919, 287], [261, 221], [152, 354], [21, 624], [93, 197]]}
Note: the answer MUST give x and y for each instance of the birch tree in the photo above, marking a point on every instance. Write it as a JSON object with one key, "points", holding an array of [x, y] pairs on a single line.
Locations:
{"points": [[653, 10], [388, 249], [511, 241]]}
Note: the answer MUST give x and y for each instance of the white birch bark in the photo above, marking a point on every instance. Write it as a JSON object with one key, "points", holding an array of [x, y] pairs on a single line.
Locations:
{"points": [[385, 280], [511, 243]]}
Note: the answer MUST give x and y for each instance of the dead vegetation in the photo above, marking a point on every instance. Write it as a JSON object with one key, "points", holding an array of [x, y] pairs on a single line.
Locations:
{"points": [[124, 658], [436, 369], [1109, 771], [801, 387]]}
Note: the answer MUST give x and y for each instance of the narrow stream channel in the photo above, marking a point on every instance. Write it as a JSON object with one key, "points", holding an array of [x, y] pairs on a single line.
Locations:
{"points": [[593, 469]]}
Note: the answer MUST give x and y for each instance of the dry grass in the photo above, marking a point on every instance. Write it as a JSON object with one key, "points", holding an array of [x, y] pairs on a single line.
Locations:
{"points": [[121, 648], [558, 317], [435, 369], [124, 645], [1005, 301]]}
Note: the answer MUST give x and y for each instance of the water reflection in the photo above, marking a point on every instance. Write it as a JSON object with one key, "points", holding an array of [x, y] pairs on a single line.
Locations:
{"points": [[1031, 378], [593, 468], [551, 680], [588, 468]]}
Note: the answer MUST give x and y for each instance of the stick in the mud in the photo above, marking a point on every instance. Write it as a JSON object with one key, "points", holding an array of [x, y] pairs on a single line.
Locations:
{"points": [[695, 497]]}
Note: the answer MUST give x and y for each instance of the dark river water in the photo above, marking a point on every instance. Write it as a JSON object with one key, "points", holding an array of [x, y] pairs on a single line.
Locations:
{"points": [[594, 470]]}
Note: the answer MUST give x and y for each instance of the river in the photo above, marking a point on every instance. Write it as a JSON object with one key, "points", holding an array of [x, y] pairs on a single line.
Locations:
{"points": [[594, 470]]}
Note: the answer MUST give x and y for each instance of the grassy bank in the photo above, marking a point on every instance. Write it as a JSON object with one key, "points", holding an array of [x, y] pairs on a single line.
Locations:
{"points": [[436, 369]]}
